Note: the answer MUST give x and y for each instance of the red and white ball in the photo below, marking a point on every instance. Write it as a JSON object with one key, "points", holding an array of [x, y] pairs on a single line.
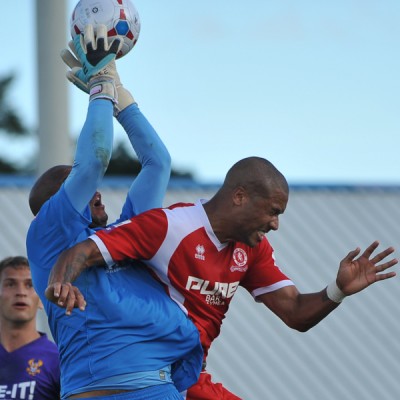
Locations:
{"points": [[120, 17]]}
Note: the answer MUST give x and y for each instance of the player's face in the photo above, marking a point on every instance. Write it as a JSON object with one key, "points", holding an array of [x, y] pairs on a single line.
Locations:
{"points": [[260, 215], [18, 299], [98, 211]]}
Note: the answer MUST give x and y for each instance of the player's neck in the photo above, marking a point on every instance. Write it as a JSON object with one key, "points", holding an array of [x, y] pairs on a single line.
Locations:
{"points": [[14, 337], [219, 221]]}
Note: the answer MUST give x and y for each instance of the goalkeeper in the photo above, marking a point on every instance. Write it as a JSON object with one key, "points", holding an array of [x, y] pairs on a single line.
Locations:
{"points": [[131, 341]]}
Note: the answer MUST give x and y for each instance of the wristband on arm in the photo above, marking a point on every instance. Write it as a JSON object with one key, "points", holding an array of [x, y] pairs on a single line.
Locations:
{"points": [[334, 293]]}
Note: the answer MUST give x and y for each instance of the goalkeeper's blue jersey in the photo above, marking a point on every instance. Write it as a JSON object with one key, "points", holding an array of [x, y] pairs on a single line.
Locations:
{"points": [[129, 324]]}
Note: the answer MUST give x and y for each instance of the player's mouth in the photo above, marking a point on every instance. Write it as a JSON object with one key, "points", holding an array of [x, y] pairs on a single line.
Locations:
{"points": [[96, 202], [20, 305]]}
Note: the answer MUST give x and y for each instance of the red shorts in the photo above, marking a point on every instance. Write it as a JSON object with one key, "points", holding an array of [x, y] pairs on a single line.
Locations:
{"points": [[204, 389]]}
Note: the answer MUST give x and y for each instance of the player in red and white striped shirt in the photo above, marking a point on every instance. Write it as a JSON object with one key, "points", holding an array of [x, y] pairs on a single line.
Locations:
{"points": [[202, 252]]}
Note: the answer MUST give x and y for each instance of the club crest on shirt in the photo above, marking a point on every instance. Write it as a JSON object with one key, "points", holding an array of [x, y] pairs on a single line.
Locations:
{"points": [[200, 250], [34, 367], [240, 259]]}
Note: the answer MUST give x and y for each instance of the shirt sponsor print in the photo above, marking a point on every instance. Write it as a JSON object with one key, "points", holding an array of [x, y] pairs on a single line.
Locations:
{"points": [[21, 391], [216, 294]]}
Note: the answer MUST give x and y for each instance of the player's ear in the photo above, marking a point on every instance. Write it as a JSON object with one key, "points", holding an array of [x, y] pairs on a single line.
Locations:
{"points": [[239, 195], [40, 305]]}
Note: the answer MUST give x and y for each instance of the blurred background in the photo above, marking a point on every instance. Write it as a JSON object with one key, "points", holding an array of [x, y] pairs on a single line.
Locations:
{"points": [[311, 86]]}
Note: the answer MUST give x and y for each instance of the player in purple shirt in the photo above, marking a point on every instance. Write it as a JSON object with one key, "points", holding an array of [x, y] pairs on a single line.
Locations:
{"points": [[29, 362]]}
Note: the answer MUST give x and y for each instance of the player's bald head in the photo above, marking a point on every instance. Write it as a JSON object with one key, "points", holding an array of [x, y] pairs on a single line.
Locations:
{"points": [[47, 185], [257, 175]]}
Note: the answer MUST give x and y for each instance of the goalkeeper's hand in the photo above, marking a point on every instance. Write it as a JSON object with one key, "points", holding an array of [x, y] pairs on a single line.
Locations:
{"points": [[70, 58], [94, 52], [93, 69]]}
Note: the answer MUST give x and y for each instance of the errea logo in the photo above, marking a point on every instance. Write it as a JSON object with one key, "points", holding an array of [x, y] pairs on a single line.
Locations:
{"points": [[200, 250]]}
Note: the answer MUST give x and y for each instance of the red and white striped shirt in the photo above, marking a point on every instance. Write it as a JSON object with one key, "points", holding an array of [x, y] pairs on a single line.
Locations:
{"points": [[201, 274]]}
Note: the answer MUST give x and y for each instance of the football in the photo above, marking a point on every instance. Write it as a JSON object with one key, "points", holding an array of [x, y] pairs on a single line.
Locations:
{"points": [[120, 17]]}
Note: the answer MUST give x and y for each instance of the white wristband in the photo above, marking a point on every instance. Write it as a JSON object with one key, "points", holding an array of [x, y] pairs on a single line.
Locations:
{"points": [[334, 293]]}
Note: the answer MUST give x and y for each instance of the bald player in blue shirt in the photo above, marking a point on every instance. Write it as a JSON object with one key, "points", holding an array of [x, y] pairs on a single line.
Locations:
{"points": [[131, 341]]}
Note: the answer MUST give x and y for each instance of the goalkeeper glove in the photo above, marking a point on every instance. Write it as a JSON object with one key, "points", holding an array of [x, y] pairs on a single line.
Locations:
{"points": [[125, 98], [70, 58], [73, 63], [98, 82], [94, 53]]}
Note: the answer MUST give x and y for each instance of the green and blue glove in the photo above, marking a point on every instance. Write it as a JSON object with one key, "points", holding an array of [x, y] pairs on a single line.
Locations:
{"points": [[94, 52], [70, 58], [92, 63]]}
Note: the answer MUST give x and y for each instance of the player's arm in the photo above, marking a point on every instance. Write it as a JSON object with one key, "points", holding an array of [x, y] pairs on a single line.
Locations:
{"points": [[70, 264], [149, 188], [138, 239], [296, 310], [93, 153], [303, 311], [90, 71]]}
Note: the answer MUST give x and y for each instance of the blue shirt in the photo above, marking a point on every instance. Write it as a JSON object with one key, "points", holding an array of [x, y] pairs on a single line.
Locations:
{"points": [[129, 324]]}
